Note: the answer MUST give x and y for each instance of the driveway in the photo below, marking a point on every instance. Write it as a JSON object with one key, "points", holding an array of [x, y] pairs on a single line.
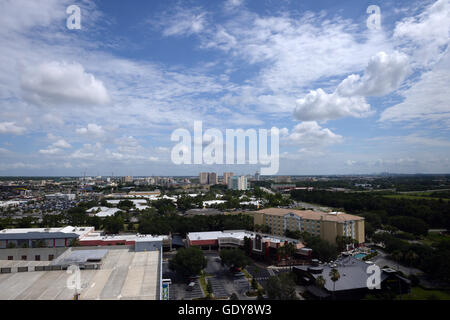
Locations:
{"points": [[382, 259]]}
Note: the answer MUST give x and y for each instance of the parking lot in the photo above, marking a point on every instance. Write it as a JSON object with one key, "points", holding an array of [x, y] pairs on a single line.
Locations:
{"points": [[223, 282], [177, 290]]}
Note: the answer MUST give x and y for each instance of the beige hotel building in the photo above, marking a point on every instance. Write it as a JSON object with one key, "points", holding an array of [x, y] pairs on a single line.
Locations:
{"points": [[326, 225]]}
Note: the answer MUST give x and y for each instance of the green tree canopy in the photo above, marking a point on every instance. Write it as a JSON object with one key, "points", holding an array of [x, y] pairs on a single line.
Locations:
{"points": [[235, 258], [188, 262], [281, 287]]}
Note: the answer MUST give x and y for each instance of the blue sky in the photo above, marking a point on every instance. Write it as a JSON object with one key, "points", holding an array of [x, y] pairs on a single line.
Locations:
{"points": [[347, 99]]}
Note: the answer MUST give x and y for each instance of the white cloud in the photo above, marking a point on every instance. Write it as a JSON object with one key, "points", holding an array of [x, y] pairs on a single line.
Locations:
{"points": [[50, 151], [11, 128], [426, 33], [55, 147], [427, 99], [60, 83], [61, 143], [185, 21], [92, 130], [311, 134], [384, 74], [319, 105]]}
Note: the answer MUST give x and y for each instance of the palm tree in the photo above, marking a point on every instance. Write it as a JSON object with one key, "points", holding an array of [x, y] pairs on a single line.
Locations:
{"points": [[397, 255], [334, 275], [320, 283]]}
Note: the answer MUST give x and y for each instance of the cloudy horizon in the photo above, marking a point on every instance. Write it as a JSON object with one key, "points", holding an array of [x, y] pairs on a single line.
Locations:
{"points": [[103, 99]]}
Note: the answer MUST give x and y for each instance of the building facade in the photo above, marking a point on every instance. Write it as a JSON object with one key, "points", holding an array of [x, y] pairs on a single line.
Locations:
{"points": [[237, 183], [226, 177], [326, 225]]}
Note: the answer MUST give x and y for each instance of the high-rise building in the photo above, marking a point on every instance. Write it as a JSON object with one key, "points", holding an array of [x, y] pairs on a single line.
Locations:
{"points": [[226, 177], [127, 179], [212, 178], [237, 183], [257, 175], [203, 177]]}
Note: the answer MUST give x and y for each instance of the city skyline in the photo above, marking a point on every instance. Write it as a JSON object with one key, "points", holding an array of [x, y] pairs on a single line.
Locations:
{"points": [[353, 87]]}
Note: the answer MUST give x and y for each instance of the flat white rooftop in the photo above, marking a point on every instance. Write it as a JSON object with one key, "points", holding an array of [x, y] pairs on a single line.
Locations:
{"points": [[123, 275], [81, 231]]}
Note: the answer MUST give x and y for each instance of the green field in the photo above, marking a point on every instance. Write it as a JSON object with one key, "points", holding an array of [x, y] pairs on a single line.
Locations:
{"points": [[418, 293], [413, 197]]}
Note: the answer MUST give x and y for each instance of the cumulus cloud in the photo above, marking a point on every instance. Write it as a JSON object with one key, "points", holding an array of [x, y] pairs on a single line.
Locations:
{"points": [[60, 83], [383, 74], [310, 133], [319, 105], [11, 128], [92, 130], [56, 147], [61, 143]]}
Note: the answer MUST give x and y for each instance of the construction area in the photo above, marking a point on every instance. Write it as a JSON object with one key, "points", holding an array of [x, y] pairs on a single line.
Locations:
{"points": [[106, 273]]}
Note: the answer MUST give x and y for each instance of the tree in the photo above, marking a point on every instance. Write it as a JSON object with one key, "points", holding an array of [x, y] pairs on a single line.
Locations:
{"points": [[343, 241], [188, 262], [234, 258], [95, 221], [254, 284], [287, 251], [75, 243], [320, 282], [334, 276], [397, 256], [234, 296], [125, 205], [281, 287], [113, 224], [322, 249], [260, 295], [209, 288]]}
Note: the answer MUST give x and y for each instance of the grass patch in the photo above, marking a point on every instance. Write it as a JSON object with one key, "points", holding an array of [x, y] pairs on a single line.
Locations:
{"points": [[419, 293], [203, 282]]}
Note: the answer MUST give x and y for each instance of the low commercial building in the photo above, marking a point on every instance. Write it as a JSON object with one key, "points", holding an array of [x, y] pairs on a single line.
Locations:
{"points": [[260, 245], [326, 225], [41, 237], [353, 280], [61, 196], [141, 242], [202, 212], [86, 236]]}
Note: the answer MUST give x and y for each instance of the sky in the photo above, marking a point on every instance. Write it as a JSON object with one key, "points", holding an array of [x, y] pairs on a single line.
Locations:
{"points": [[349, 95]]}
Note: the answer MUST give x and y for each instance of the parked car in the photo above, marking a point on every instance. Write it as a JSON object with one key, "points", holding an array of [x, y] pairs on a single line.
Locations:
{"points": [[239, 275], [190, 286]]}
